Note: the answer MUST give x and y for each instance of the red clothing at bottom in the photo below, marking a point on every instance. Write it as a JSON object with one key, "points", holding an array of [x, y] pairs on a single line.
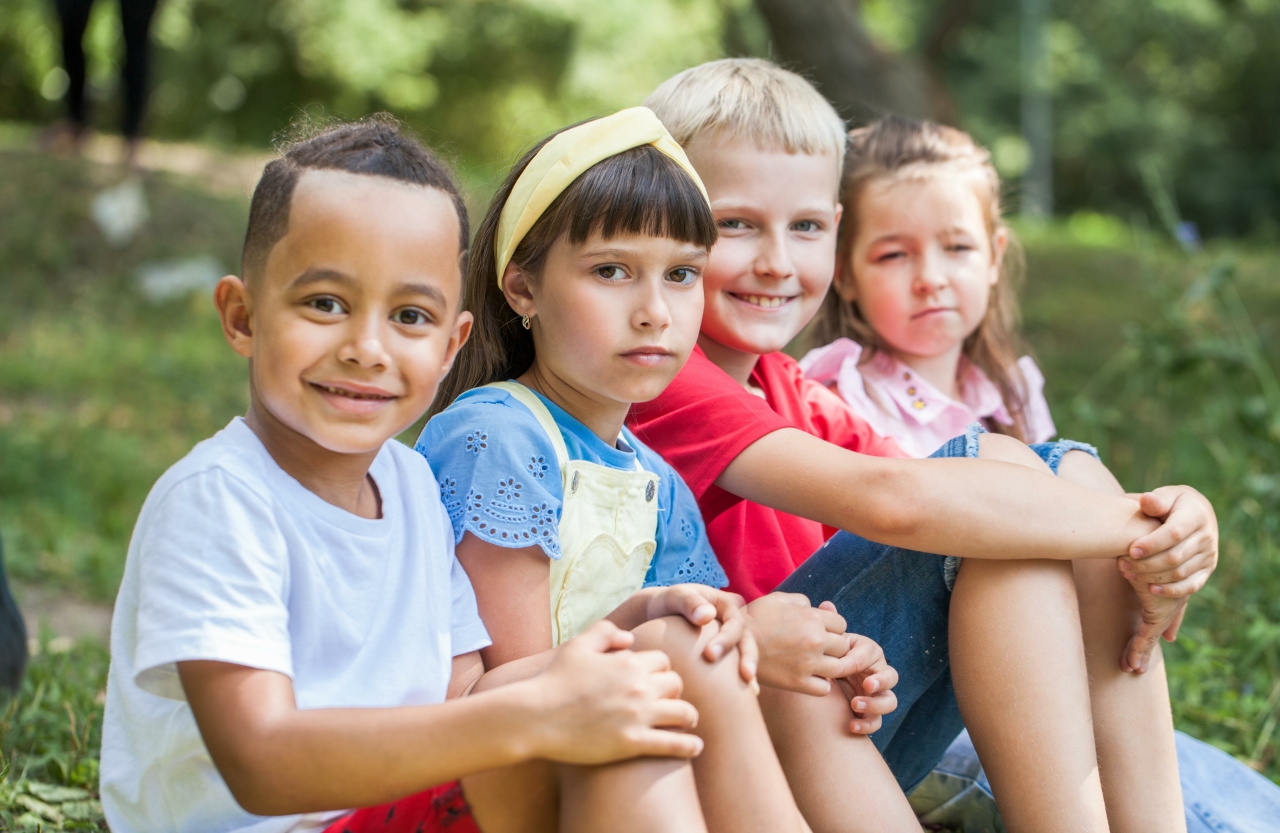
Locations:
{"points": [[441, 808], [704, 419]]}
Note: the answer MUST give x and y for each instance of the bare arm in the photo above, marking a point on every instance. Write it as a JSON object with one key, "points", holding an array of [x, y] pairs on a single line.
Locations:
{"points": [[594, 703], [967, 508]]}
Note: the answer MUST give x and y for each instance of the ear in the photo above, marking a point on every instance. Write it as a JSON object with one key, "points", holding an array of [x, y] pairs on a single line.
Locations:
{"points": [[461, 332], [999, 245], [235, 311], [518, 291]]}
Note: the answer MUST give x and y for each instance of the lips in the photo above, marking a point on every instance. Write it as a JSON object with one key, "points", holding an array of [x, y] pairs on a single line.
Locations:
{"points": [[933, 311], [375, 394], [763, 301], [648, 356], [354, 399]]}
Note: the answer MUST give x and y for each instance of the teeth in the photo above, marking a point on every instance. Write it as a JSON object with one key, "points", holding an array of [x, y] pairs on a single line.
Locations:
{"points": [[763, 301], [350, 394]]}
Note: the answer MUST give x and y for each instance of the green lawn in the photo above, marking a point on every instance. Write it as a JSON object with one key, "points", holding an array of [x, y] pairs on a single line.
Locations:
{"points": [[1168, 372]]}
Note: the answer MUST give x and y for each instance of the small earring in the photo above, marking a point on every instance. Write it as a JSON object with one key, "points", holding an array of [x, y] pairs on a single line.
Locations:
{"points": [[524, 320]]}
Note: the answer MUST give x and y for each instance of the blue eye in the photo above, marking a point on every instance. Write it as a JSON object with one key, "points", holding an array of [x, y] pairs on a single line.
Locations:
{"points": [[731, 224], [683, 275], [806, 226]]}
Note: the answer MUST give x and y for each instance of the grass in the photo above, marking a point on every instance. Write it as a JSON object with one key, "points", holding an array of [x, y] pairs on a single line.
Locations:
{"points": [[1166, 361]]}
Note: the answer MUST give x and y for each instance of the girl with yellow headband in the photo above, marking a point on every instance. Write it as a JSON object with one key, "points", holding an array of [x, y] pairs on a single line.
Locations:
{"points": [[584, 281]]}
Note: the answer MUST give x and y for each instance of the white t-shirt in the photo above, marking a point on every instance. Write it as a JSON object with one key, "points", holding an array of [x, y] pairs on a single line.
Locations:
{"points": [[234, 560]]}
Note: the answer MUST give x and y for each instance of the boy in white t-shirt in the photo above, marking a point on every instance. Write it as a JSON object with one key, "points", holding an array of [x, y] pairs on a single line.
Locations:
{"points": [[292, 618]]}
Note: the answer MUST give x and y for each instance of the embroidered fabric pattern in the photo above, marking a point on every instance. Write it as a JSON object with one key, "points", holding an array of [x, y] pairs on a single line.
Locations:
{"points": [[538, 466], [690, 531], [507, 521], [697, 569], [477, 440]]}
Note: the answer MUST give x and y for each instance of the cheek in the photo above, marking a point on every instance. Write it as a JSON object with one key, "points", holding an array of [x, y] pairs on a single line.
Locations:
{"points": [[885, 304], [686, 315], [730, 258]]}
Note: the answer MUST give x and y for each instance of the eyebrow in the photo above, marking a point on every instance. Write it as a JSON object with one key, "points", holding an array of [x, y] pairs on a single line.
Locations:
{"points": [[721, 206], [317, 274], [622, 254]]}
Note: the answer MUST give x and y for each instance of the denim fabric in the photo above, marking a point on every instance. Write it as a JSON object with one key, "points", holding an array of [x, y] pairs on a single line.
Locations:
{"points": [[902, 600], [1052, 453], [1219, 794]]}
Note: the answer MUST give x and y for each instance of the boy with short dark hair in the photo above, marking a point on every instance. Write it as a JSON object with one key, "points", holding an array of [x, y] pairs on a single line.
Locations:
{"points": [[292, 618]]}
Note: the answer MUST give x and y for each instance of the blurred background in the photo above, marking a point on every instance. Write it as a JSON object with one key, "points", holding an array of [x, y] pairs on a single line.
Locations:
{"points": [[1139, 141]]}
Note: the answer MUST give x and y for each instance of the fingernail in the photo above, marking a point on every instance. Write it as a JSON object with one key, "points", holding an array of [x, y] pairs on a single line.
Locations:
{"points": [[717, 650], [859, 705], [1157, 589], [872, 685], [1137, 552], [1125, 565]]}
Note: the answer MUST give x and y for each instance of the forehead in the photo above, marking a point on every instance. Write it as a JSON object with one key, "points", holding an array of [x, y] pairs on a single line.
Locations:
{"points": [[367, 226], [740, 168], [921, 201]]}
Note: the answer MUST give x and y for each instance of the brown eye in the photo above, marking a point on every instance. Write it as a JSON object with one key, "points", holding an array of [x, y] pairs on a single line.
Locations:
{"points": [[611, 273], [411, 317], [326, 304]]}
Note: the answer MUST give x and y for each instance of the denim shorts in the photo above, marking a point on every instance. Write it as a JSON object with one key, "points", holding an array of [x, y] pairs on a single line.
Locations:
{"points": [[902, 600]]}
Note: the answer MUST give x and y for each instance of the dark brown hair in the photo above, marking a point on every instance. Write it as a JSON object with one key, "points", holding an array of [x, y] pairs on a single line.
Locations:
{"points": [[638, 191], [375, 146], [895, 147]]}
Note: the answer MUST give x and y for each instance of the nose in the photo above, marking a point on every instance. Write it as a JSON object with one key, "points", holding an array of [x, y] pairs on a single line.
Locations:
{"points": [[931, 276], [651, 311], [773, 259], [364, 345]]}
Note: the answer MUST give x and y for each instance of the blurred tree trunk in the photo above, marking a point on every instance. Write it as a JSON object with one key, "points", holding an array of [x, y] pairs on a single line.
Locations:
{"points": [[825, 40]]}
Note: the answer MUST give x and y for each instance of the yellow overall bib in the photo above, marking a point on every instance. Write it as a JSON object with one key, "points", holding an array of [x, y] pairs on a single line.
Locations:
{"points": [[608, 531]]}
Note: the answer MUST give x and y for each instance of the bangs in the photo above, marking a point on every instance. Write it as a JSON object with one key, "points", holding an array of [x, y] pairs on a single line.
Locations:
{"points": [[639, 191]]}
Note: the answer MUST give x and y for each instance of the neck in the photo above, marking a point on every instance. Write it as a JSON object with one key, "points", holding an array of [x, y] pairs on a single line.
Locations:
{"points": [[603, 417], [941, 371], [734, 362], [340, 479]]}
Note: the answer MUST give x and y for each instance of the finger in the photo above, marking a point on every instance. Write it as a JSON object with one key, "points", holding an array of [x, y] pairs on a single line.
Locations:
{"points": [[883, 678], [652, 661], [832, 668], [1171, 632], [865, 725], [1137, 654], [832, 621], [880, 704], [730, 635], [749, 659], [1156, 504], [831, 606], [673, 714], [665, 685], [863, 655], [1197, 549], [661, 743], [793, 599], [1206, 564], [835, 644], [1170, 533], [1180, 589], [689, 601], [603, 637]]}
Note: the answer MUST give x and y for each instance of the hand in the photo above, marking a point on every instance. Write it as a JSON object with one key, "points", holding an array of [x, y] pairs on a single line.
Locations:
{"points": [[702, 605], [598, 702], [1160, 615], [1177, 559], [869, 686], [801, 647]]}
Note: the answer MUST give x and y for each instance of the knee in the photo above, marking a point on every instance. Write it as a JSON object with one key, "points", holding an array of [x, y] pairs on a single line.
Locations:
{"points": [[673, 635], [1083, 469], [1009, 450]]}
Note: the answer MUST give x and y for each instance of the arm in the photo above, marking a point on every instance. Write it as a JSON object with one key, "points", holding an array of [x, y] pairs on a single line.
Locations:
{"points": [[969, 508], [594, 703]]}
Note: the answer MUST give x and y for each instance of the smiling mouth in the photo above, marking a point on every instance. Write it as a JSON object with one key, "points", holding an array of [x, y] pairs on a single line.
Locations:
{"points": [[763, 301], [354, 394]]}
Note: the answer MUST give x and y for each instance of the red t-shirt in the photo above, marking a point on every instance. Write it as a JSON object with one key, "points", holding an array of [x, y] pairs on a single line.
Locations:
{"points": [[704, 419]]}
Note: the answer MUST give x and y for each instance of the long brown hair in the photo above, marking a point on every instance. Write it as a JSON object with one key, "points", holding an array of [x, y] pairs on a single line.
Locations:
{"points": [[638, 191], [895, 147]]}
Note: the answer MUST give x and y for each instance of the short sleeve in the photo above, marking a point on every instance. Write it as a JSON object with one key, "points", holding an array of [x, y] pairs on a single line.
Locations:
{"points": [[213, 583], [467, 632], [702, 421], [1040, 427], [498, 473], [684, 554], [832, 419]]}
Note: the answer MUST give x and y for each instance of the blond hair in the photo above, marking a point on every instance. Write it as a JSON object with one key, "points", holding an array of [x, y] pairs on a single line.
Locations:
{"points": [[749, 99], [896, 148]]}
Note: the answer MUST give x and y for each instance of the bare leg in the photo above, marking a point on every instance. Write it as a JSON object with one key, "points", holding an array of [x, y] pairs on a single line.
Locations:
{"points": [[1133, 726], [1018, 664], [646, 795], [839, 779], [739, 779]]}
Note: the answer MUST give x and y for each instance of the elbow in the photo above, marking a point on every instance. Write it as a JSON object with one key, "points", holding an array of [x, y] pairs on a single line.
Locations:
{"points": [[255, 781]]}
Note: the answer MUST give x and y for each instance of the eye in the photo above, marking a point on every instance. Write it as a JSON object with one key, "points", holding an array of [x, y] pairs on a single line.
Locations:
{"points": [[806, 226], [888, 256], [611, 272], [683, 275], [327, 304], [411, 317], [731, 224], [960, 247]]}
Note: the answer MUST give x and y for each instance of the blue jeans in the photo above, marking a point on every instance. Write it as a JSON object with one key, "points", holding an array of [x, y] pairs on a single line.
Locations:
{"points": [[901, 599]]}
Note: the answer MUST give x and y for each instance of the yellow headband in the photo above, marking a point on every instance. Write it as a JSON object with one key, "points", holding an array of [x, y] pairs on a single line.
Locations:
{"points": [[568, 156]]}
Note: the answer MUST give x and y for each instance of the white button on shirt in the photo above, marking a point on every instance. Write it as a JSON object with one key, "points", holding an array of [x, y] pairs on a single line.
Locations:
{"points": [[898, 403]]}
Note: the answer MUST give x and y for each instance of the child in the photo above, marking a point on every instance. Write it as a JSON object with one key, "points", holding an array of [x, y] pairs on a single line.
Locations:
{"points": [[292, 617], [925, 287], [585, 284], [1005, 624]]}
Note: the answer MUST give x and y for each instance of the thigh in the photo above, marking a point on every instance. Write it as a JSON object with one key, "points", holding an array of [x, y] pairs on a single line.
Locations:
{"points": [[517, 799]]}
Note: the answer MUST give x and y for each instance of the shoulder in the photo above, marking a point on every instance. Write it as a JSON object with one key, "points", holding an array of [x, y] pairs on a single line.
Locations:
{"points": [[480, 420], [231, 462], [824, 364]]}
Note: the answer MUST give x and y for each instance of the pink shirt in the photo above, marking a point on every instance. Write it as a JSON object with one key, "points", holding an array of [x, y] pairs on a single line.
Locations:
{"points": [[898, 403]]}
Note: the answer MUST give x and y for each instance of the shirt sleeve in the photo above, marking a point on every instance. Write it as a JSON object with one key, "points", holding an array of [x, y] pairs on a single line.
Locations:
{"points": [[837, 423], [213, 583], [1040, 427], [702, 421], [498, 473], [684, 554]]}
